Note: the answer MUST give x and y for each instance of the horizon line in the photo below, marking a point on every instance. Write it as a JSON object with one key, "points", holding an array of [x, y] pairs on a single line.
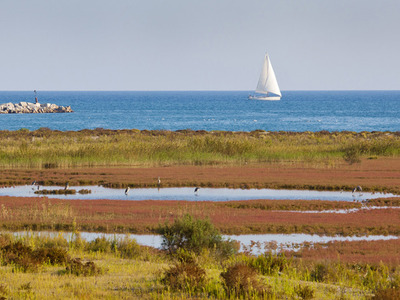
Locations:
{"points": [[294, 90]]}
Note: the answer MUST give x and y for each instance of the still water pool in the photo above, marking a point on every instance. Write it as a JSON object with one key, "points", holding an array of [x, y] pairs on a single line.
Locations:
{"points": [[188, 194]]}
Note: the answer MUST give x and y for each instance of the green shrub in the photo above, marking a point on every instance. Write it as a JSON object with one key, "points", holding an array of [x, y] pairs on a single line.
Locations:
{"points": [[195, 235]]}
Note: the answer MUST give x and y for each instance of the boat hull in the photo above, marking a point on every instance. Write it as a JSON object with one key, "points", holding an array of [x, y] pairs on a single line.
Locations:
{"points": [[267, 98]]}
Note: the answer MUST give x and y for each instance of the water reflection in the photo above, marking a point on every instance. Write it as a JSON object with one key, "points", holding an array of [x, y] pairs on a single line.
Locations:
{"points": [[185, 193]]}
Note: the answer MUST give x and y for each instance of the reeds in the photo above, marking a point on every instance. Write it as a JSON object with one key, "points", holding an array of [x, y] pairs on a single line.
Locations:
{"points": [[101, 273], [45, 148]]}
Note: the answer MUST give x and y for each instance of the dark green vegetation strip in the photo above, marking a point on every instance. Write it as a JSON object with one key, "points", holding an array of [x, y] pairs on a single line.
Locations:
{"points": [[101, 147]]}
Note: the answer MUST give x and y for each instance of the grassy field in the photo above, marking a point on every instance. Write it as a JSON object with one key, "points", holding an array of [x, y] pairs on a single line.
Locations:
{"points": [[45, 148], [36, 267]]}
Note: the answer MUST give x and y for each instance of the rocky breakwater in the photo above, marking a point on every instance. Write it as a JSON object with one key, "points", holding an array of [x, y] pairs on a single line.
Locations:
{"points": [[32, 108]]}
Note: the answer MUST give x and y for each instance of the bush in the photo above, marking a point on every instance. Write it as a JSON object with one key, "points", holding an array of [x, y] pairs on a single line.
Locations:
{"points": [[128, 248], [194, 235], [186, 276], [240, 280], [77, 267], [58, 241], [267, 264], [51, 255], [100, 245], [352, 155], [29, 260], [5, 239], [304, 292], [20, 255]]}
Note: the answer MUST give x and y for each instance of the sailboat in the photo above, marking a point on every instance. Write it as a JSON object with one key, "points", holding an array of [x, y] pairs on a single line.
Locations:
{"points": [[267, 87]]}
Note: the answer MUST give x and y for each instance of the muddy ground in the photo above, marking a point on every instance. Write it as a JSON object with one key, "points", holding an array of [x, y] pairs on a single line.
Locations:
{"points": [[374, 174]]}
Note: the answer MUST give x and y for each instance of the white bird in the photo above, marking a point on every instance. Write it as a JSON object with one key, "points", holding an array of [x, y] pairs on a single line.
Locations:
{"points": [[196, 189], [127, 190], [159, 181], [66, 186]]}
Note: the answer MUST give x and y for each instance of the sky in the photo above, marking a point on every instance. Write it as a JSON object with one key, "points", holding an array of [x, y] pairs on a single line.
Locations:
{"points": [[198, 44]]}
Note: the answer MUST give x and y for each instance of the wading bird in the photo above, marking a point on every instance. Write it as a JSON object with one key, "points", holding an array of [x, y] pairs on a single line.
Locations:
{"points": [[196, 190], [127, 190], [357, 188], [66, 186], [158, 181]]}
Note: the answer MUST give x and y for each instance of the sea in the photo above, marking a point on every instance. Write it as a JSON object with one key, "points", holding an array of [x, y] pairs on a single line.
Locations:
{"points": [[210, 110]]}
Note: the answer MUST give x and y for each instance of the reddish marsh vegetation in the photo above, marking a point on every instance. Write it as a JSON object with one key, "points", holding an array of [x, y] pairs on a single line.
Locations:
{"points": [[230, 217], [374, 175], [371, 252]]}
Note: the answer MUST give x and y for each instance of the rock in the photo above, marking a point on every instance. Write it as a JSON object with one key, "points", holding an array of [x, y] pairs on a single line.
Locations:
{"points": [[32, 108]]}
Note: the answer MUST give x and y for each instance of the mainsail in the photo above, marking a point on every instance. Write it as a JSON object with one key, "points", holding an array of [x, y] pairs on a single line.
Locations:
{"points": [[267, 83]]}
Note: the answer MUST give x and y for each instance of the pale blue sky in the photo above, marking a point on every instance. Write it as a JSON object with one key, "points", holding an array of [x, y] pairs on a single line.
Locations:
{"points": [[198, 44]]}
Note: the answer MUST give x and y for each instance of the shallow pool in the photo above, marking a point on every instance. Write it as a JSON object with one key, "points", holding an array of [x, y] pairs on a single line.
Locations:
{"points": [[186, 193]]}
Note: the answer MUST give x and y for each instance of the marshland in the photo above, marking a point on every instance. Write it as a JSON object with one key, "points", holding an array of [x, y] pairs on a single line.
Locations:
{"points": [[44, 148], [117, 268]]}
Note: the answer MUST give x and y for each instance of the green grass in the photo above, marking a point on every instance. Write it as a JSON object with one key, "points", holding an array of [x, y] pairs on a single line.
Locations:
{"points": [[51, 149], [142, 275]]}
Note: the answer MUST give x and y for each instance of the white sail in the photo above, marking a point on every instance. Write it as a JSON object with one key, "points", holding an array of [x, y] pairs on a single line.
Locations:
{"points": [[267, 83]]}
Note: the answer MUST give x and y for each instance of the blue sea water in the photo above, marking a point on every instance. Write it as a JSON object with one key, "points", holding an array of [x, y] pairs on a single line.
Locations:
{"points": [[211, 110]]}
